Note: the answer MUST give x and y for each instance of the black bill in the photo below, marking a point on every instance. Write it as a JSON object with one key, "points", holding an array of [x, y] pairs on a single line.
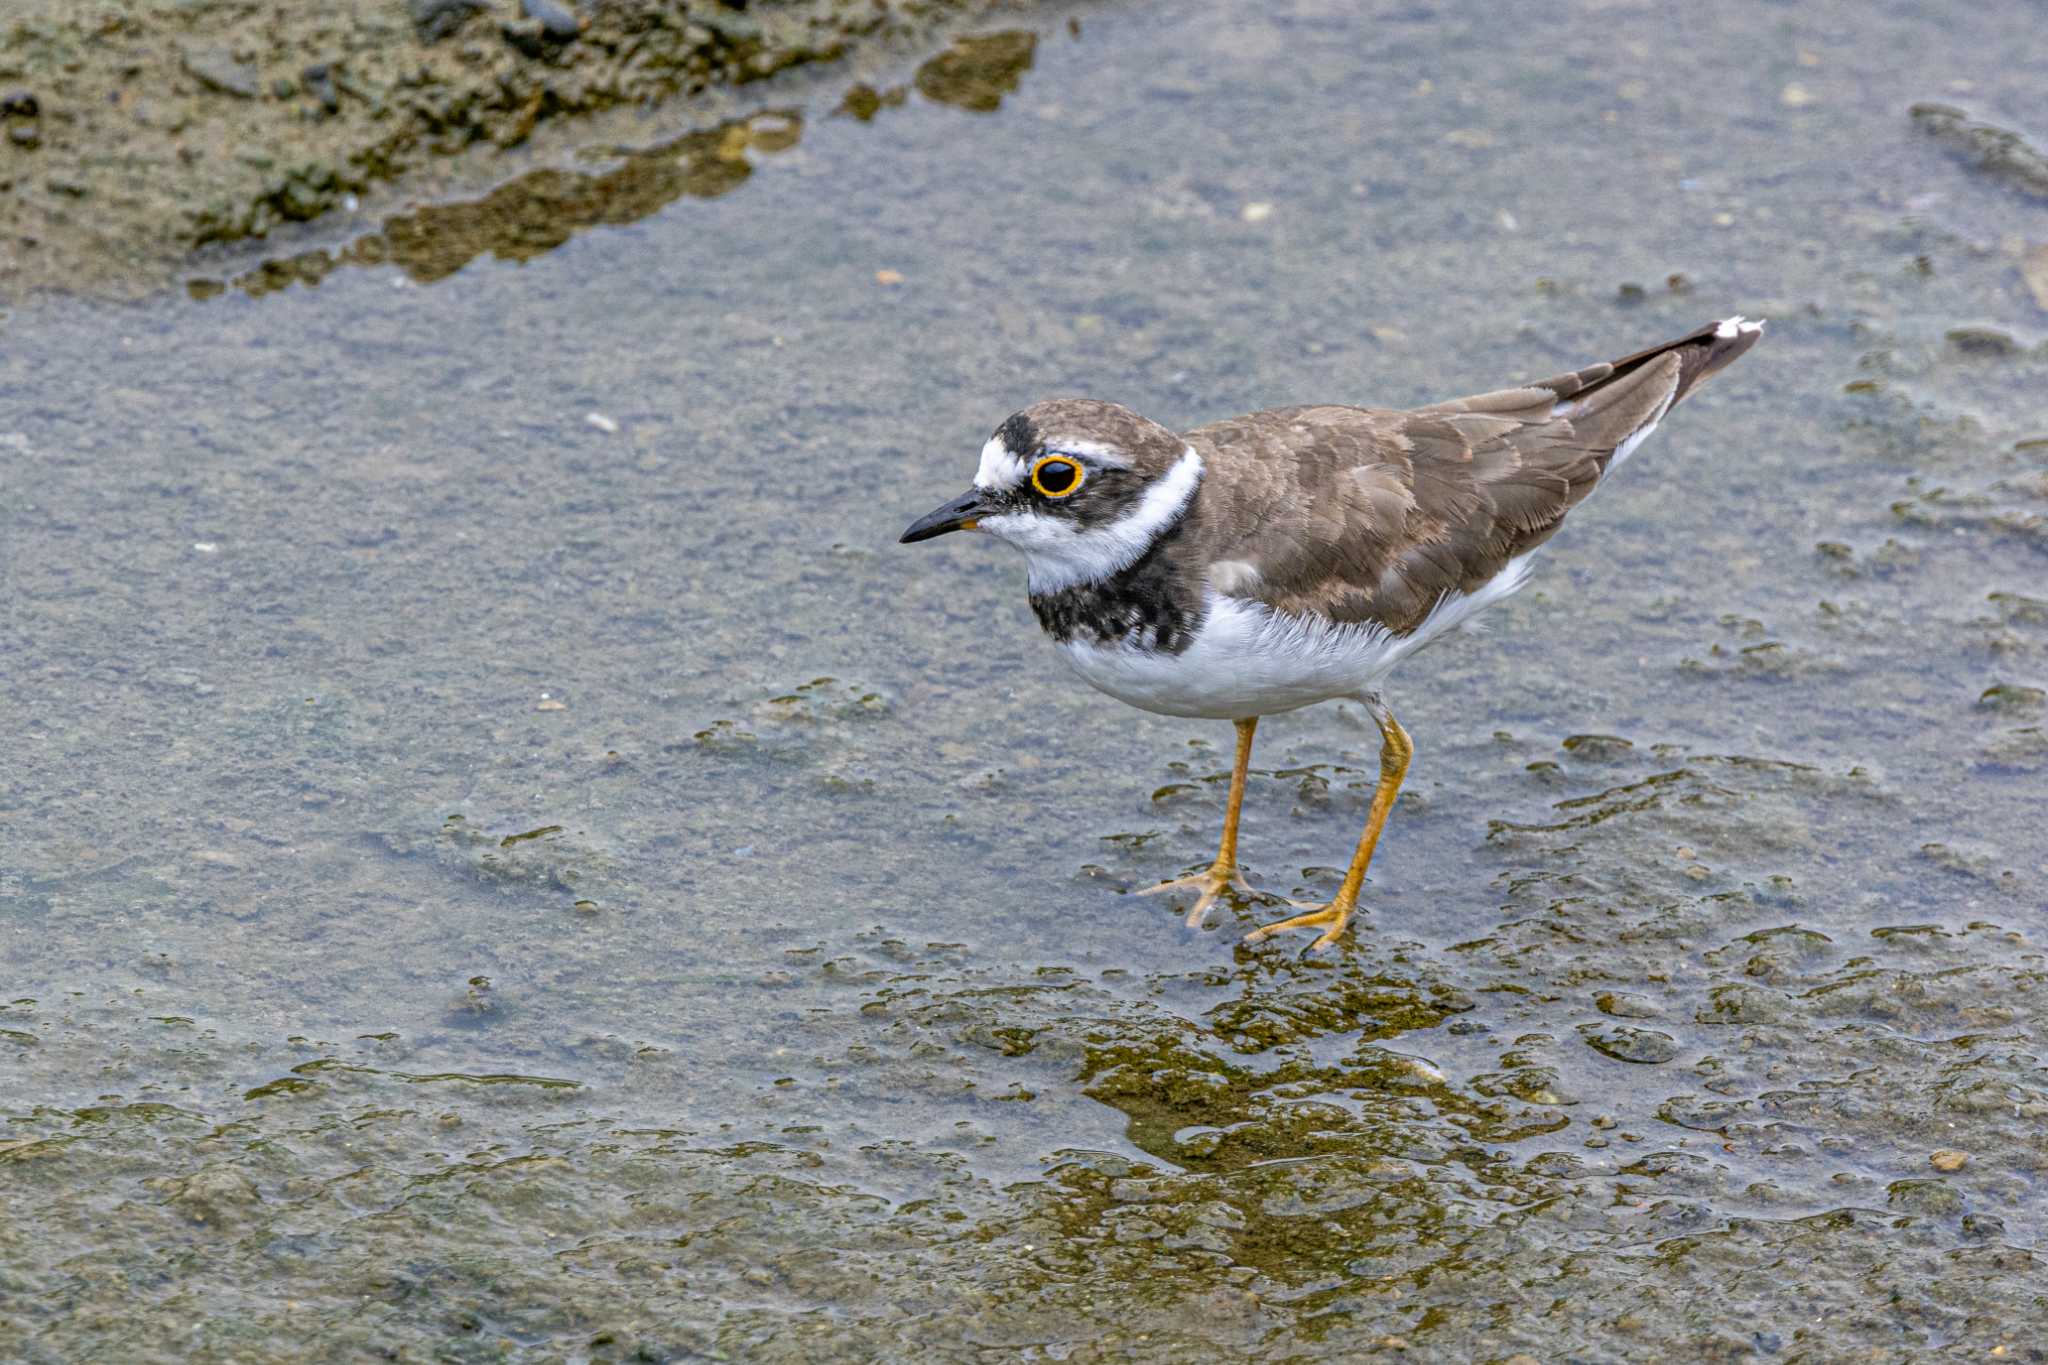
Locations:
{"points": [[958, 515]]}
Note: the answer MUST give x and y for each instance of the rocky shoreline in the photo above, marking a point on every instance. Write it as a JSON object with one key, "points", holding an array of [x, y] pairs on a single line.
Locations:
{"points": [[139, 131]]}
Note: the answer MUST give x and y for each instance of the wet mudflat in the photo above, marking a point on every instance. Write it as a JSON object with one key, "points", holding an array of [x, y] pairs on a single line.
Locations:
{"points": [[505, 856]]}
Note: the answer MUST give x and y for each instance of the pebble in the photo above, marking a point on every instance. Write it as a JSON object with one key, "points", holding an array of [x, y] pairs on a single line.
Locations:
{"points": [[1982, 341], [1255, 213], [601, 422], [434, 20], [319, 83], [1948, 1159], [217, 69], [558, 21]]}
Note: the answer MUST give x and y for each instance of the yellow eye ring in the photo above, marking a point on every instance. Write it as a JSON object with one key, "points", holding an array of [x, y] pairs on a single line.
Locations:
{"points": [[1061, 490]]}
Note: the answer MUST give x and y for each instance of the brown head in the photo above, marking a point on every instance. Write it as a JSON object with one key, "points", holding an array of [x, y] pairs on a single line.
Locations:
{"points": [[1082, 487]]}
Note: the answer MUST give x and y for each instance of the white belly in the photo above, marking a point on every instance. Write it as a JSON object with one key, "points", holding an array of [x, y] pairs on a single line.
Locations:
{"points": [[1248, 660]]}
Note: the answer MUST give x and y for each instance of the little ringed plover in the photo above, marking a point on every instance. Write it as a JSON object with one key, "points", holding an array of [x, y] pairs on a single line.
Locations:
{"points": [[1271, 561]]}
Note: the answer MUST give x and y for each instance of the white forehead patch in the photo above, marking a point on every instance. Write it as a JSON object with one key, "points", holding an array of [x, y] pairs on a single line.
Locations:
{"points": [[1002, 468], [999, 468]]}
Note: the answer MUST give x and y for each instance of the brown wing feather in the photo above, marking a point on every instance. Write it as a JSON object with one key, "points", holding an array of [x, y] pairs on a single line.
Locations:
{"points": [[1365, 515]]}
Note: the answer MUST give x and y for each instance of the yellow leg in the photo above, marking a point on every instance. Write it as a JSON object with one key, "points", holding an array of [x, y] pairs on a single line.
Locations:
{"points": [[1395, 751], [1223, 874]]}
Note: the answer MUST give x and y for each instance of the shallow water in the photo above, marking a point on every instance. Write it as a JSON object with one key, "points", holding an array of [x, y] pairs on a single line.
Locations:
{"points": [[480, 882]]}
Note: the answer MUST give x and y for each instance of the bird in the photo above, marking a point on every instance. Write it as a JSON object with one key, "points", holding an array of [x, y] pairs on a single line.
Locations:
{"points": [[1297, 555]]}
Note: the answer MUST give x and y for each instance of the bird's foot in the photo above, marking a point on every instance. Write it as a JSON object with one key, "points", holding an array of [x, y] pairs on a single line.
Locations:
{"points": [[1335, 915], [1210, 884]]}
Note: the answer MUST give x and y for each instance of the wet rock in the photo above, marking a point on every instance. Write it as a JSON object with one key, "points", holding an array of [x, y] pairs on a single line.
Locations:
{"points": [[1929, 1198], [1999, 152], [528, 37], [2012, 697], [319, 83], [975, 73], [1982, 341], [406, 99], [218, 70], [475, 1005], [1598, 748], [434, 20], [2019, 608], [558, 22], [1648, 1047], [1948, 1159], [1624, 1005], [863, 101], [216, 1195]]}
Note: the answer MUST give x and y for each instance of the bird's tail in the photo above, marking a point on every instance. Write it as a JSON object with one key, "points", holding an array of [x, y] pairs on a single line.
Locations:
{"points": [[1700, 353]]}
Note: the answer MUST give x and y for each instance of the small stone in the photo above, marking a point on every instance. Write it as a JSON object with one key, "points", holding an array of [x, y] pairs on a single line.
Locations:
{"points": [[550, 704], [1948, 1159], [2012, 697], [1982, 1227], [602, 423], [217, 70], [1984, 341], [1926, 1198], [21, 102], [319, 83], [1598, 748], [1648, 1047], [215, 1195], [1623, 1005], [434, 20], [528, 36], [1255, 213], [1797, 96], [558, 21], [888, 277], [25, 136]]}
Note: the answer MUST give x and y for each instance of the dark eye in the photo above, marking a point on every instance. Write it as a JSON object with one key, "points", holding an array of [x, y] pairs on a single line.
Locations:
{"points": [[1056, 476]]}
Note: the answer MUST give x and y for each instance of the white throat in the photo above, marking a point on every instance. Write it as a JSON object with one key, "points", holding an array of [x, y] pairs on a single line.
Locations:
{"points": [[1061, 554]]}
